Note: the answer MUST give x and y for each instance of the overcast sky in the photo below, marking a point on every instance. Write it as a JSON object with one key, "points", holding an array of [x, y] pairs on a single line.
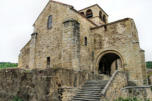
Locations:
{"points": [[18, 16]]}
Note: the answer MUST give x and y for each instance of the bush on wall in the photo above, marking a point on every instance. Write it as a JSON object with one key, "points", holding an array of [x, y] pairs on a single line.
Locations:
{"points": [[16, 98], [130, 99]]}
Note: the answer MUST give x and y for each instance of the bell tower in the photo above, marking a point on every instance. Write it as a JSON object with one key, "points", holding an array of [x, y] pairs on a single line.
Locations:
{"points": [[96, 14]]}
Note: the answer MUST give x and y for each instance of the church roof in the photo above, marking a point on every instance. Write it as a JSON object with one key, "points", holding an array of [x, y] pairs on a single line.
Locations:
{"points": [[111, 23], [61, 3], [72, 8]]}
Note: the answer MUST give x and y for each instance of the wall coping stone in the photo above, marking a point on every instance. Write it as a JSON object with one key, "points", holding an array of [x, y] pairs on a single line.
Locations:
{"points": [[130, 87]]}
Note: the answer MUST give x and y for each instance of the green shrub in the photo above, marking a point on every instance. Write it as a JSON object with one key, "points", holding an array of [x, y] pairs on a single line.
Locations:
{"points": [[129, 99], [16, 98]]}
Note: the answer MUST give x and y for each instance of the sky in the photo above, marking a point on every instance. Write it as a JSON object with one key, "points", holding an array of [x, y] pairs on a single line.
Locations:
{"points": [[18, 16]]}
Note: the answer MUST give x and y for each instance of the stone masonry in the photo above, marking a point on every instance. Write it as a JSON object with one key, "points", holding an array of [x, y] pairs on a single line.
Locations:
{"points": [[77, 41], [83, 43]]}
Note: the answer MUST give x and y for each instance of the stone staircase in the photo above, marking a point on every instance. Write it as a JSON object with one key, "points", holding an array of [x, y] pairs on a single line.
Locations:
{"points": [[90, 91]]}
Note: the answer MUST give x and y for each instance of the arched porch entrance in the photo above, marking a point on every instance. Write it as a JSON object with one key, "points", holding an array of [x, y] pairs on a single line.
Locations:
{"points": [[108, 63]]}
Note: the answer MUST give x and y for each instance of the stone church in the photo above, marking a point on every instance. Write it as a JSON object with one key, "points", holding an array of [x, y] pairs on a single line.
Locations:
{"points": [[84, 41]]}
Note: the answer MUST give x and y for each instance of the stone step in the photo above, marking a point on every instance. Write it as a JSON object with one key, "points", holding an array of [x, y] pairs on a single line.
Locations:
{"points": [[86, 99], [94, 85], [90, 91], [85, 93], [86, 96], [82, 98]]}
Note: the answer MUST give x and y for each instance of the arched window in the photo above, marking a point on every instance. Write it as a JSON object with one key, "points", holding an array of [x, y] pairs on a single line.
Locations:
{"points": [[82, 13], [104, 18], [85, 41], [49, 23], [89, 13], [100, 15]]}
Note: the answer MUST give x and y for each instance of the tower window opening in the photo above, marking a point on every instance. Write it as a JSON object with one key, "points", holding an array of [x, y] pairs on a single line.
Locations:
{"points": [[89, 13], [82, 13], [104, 18], [100, 15]]}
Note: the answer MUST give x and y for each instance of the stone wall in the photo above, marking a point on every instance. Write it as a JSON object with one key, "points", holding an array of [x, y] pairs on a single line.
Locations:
{"points": [[69, 93], [140, 92], [149, 74], [150, 80], [71, 45], [49, 41], [41, 85], [121, 38], [24, 56], [65, 45], [112, 90]]}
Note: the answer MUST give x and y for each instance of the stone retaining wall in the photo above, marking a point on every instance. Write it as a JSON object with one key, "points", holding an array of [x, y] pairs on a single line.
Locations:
{"points": [[112, 90], [141, 92], [41, 85]]}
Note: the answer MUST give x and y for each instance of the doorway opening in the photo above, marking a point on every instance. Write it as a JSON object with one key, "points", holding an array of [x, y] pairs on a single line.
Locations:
{"points": [[109, 63]]}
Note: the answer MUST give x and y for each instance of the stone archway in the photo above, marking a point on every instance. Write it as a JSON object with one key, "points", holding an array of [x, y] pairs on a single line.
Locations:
{"points": [[109, 62]]}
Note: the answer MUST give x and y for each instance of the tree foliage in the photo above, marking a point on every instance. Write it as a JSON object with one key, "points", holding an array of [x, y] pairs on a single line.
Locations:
{"points": [[149, 64], [7, 65]]}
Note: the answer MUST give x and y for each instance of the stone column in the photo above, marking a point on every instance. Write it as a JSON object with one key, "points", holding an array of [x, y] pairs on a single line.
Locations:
{"points": [[32, 51], [143, 67], [71, 45]]}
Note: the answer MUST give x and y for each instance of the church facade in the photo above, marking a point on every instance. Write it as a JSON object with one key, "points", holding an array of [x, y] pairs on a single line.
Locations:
{"points": [[84, 40]]}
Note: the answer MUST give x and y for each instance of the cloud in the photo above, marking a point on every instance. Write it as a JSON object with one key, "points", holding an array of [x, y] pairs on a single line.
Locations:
{"points": [[18, 17]]}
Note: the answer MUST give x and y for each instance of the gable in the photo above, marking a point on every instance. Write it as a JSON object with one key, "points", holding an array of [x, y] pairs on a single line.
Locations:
{"points": [[48, 6], [59, 4]]}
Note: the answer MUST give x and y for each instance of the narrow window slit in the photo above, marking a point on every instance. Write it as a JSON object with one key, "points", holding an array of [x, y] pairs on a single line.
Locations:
{"points": [[48, 62], [49, 23], [85, 41]]}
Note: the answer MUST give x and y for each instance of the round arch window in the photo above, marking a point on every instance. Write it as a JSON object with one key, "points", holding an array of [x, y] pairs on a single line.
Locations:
{"points": [[104, 18], [100, 15], [89, 13]]}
